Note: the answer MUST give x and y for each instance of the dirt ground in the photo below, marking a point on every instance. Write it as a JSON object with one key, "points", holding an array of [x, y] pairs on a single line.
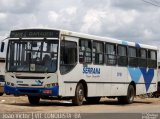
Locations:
{"points": [[21, 104]]}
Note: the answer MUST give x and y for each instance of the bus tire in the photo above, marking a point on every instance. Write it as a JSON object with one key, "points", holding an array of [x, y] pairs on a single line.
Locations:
{"points": [[33, 100], [129, 98], [79, 95], [93, 100], [1, 94]]}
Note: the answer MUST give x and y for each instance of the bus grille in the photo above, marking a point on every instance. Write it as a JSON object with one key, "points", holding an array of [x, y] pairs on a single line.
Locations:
{"points": [[28, 91], [26, 77], [23, 84]]}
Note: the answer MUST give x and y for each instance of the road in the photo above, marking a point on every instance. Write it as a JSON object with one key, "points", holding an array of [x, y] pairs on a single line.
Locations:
{"points": [[20, 104]]}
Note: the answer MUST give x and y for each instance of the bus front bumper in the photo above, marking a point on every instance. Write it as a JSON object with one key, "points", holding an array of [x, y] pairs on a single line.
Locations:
{"points": [[31, 91]]}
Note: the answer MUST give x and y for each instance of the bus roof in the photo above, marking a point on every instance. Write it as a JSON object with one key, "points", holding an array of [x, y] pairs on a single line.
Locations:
{"points": [[93, 37], [106, 39]]}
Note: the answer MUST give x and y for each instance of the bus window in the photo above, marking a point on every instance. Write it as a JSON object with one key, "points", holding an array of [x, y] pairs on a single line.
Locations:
{"points": [[122, 55], [110, 54], [98, 52], [85, 52], [152, 59], [68, 56], [142, 62], [26, 56], [2, 46], [132, 57]]}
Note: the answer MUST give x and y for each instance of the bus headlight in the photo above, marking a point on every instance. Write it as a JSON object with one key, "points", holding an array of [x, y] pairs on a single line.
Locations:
{"points": [[10, 84], [51, 85], [48, 86]]}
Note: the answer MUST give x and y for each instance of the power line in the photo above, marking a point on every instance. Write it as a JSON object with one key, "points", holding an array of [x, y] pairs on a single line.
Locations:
{"points": [[152, 2], [155, 1]]}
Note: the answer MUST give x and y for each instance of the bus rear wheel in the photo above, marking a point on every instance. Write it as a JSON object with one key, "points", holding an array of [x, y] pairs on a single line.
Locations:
{"points": [[33, 100], [79, 95], [129, 98], [93, 100]]}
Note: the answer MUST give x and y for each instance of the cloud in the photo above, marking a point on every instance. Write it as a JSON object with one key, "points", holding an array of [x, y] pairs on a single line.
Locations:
{"points": [[2, 16], [138, 5], [110, 22], [18, 6], [71, 10], [92, 21], [53, 16], [127, 20]]}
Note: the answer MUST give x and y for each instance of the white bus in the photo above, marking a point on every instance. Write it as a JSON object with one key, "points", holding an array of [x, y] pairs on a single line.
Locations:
{"points": [[59, 64], [2, 67]]}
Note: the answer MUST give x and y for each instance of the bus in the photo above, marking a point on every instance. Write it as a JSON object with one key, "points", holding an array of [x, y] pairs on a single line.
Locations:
{"points": [[2, 67], [61, 64]]}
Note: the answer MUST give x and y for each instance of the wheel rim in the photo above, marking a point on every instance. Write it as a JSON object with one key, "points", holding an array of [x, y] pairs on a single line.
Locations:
{"points": [[131, 95], [80, 94]]}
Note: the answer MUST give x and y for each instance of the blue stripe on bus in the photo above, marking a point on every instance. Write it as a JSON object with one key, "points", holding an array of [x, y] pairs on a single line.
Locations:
{"points": [[148, 76], [137, 45], [136, 73], [124, 42], [30, 91]]}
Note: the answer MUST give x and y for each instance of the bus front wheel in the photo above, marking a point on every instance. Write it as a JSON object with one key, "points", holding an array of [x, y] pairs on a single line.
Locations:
{"points": [[130, 96], [34, 100], [79, 95], [1, 94]]}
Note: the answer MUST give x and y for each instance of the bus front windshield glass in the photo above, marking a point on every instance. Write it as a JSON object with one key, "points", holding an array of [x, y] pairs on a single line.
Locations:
{"points": [[32, 56]]}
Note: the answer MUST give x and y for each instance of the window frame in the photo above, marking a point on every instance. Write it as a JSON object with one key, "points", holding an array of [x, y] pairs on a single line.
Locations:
{"points": [[106, 55], [96, 41], [151, 63], [119, 56], [84, 52], [7, 67], [142, 59], [74, 64], [131, 63]]}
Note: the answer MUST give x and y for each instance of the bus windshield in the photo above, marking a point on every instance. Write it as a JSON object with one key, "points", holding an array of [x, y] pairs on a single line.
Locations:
{"points": [[32, 56]]}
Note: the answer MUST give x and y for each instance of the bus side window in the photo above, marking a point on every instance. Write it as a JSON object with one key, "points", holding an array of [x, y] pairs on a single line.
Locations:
{"points": [[98, 52], [122, 55], [85, 52], [142, 61], [2, 46], [110, 54], [152, 59], [68, 56], [132, 57]]}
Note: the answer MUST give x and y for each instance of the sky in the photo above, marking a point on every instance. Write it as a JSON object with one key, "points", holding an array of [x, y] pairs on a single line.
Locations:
{"points": [[130, 20]]}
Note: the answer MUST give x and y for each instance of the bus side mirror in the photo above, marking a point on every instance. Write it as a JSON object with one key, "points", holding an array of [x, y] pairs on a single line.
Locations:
{"points": [[2, 46]]}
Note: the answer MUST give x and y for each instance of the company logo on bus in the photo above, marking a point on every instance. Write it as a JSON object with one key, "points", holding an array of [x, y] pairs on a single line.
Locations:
{"points": [[90, 70], [39, 82]]}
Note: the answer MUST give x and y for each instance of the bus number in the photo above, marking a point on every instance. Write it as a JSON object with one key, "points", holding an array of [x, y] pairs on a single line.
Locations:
{"points": [[119, 74]]}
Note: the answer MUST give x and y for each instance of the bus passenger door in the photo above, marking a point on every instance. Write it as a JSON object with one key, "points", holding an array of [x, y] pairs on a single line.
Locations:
{"points": [[68, 65]]}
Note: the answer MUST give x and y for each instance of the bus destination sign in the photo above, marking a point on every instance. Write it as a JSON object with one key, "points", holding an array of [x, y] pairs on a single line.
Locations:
{"points": [[34, 33]]}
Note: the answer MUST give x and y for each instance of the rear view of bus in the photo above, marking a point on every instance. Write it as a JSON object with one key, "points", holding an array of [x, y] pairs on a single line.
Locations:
{"points": [[31, 65]]}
